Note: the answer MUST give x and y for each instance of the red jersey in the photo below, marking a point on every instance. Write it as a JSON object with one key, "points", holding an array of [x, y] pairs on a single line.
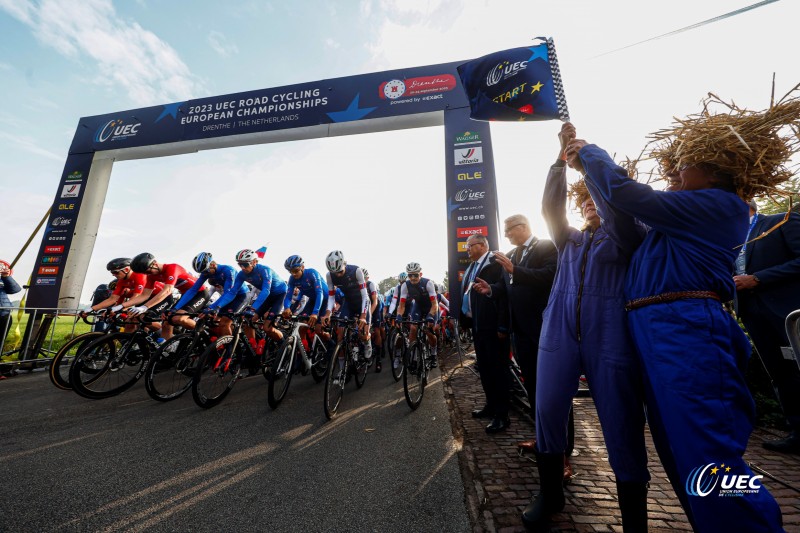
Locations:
{"points": [[129, 287], [171, 274]]}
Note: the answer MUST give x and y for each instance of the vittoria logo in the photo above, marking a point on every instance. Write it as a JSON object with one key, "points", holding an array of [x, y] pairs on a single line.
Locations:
{"points": [[468, 156], [70, 191]]}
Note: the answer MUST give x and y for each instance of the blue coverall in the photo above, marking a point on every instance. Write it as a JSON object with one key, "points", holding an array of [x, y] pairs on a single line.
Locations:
{"points": [[584, 330], [693, 352]]}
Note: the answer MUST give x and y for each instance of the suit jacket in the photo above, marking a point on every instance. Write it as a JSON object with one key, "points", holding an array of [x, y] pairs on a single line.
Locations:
{"points": [[775, 261], [488, 314]]}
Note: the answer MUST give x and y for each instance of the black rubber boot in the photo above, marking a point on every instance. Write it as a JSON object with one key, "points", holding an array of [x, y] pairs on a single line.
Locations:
{"points": [[633, 505], [550, 499]]}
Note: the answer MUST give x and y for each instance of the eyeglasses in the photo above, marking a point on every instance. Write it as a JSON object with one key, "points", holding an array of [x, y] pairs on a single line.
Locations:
{"points": [[474, 244], [115, 272], [152, 266], [243, 264], [413, 276], [508, 230]]}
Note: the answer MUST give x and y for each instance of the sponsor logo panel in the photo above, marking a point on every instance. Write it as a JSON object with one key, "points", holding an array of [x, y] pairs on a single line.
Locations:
{"points": [[468, 156], [47, 271], [46, 281], [61, 221], [468, 137], [476, 230], [469, 176], [71, 190], [55, 239], [116, 130], [75, 176], [66, 207], [54, 249], [51, 259], [462, 246], [504, 70], [422, 85]]}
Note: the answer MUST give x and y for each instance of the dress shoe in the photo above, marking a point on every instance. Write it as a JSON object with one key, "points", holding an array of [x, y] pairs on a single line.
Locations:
{"points": [[481, 413], [790, 444], [498, 424], [527, 445]]}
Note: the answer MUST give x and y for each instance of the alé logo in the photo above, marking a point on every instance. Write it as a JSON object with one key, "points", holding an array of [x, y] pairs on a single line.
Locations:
{"points": [[704, 479], [116, 130]]}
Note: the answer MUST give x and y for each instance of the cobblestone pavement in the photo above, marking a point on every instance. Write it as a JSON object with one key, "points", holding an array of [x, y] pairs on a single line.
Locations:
{"points": [[499, 482]]}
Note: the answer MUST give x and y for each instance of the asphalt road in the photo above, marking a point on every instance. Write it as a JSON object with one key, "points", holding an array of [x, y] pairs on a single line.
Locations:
{"points": [[132, 464]]}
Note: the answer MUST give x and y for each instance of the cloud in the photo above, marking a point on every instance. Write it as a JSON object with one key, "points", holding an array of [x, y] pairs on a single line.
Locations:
{"points": [[124, 54], [330, 43], [30, 145], [219, 43]]}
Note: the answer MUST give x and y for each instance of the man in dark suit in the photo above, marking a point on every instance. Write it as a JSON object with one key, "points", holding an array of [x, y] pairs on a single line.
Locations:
{"points": [[768, 289], [528, 272], [489, 322]]}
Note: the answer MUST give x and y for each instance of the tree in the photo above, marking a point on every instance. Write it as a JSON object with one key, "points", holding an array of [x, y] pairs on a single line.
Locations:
{"points": [[446, 281], [386, 284], [780, 204]]}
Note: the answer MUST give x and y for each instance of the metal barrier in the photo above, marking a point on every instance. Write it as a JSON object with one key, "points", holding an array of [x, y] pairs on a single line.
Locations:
{"points": [[39, 344], [793, 332]]}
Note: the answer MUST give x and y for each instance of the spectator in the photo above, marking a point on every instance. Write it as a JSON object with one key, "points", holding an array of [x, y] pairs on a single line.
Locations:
{"points": [[8, 286], [692, 351], [528, 277], [488, 320], [768, 289], [584, 330]]}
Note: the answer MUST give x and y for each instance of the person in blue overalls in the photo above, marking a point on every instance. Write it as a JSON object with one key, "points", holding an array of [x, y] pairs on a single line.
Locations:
{"points": [[693, 353]]}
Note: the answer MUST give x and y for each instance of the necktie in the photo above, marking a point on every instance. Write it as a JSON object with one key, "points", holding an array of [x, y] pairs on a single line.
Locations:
{"points": [[470, 275]]}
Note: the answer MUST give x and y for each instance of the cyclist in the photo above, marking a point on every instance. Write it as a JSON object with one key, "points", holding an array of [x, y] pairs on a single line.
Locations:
{"points": [[129, 284], [376, 312], [310, 284], [173, 276], [422, 292], [269, 302], [401, 278], [221, 278], [350, 278]]}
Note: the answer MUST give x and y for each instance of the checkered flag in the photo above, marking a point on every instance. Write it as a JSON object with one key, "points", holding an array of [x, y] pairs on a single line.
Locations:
{"points": [[558, 86]]}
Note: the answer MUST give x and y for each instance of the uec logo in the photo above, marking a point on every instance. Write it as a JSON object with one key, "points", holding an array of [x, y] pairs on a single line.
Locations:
{"points": [[704, 479], [115, 128]]}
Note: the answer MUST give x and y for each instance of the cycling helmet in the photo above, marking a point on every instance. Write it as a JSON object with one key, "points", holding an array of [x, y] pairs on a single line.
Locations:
{"points": [[119, 263], [141, 262], [201, 262], [293, 261], [402, 277], [366, 272], [245, 256], [335, 261], [413, 268], [112, 285]]}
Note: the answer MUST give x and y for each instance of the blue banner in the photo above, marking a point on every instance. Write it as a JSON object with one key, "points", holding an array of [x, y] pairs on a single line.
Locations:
{"points": [[519, 84], [471, 193]]}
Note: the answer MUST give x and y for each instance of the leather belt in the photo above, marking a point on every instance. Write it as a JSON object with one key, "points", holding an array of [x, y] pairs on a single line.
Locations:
{"points": [[670, 297]]}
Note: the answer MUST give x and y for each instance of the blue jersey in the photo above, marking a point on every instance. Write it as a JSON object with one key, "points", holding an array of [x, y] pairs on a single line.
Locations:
{"points": [[262, 278], [353, 285], [311, 285], [222, 277]]}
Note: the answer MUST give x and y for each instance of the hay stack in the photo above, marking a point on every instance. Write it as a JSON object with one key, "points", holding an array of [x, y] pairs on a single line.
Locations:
{"points": [[578, 193], [754, 147]]}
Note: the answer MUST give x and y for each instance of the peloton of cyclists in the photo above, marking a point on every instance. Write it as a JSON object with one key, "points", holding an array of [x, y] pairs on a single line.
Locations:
{"points": [[421, 292]]}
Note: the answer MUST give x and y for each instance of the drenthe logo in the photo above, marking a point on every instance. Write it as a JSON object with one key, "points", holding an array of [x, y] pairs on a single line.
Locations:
{"points": [[704, 479]]}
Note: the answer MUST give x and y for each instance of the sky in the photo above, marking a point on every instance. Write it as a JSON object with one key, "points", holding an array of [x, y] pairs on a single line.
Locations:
{"points": [[61, 60]]}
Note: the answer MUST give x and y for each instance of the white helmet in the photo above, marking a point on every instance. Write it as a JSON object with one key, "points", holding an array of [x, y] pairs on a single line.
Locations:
{"points": [[245, 256], [335, 261], [413, 268]]}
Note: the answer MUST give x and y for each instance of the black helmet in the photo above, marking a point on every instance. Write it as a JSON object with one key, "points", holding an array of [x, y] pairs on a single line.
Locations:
{"points": [[118, 263], [141, 262]]}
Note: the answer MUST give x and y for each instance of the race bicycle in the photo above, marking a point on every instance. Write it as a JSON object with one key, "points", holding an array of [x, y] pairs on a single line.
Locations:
{"points": [[347, 358]]}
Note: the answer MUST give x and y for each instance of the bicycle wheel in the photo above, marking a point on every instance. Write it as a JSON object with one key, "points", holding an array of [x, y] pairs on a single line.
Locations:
{"points": [[59, 367], [397, 356], [415, 376], [360, 369], [282, 371], [216, 374], [319, 361], [109, 365], [334, 385], [170, 371]]}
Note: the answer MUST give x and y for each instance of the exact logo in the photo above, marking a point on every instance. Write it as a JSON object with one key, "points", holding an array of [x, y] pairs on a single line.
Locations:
{"points": [[46, 281], [477, 230], [54, 249], [503, 71], [468, 156], [116, 130], [70, 191], [61, 221], [47, 271], [704, 479]]}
